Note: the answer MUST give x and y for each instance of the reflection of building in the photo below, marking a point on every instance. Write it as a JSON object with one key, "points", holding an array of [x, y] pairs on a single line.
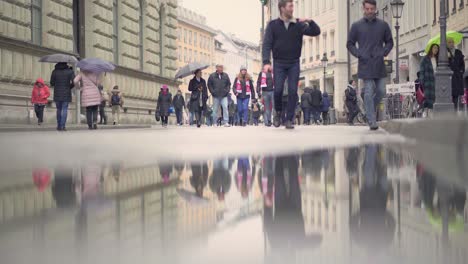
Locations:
{"points": [[138, 36], [196, 44]]}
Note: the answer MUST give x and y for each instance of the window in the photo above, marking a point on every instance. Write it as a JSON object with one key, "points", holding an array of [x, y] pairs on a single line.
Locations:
{"points": [[180, 53], [36, 22], [325, 50], [185, 54], [311, 50], [195, 39], [317, 48], [454, 8], [78, 41], [434, 5], [185, 36], [332, 43], [190, 38]]}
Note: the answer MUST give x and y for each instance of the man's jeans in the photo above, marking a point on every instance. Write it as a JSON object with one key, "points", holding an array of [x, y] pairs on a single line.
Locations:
{"points": [[62, 112], [374, 91], [224, 104], [178, 113], [243, 109], [268, 98], [315, 110], [290, 72]]}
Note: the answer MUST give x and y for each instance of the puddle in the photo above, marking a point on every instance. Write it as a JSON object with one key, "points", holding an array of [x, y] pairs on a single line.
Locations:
{"points": [[369, 204]]}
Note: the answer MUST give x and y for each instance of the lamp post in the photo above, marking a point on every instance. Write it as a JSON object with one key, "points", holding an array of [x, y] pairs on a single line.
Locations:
{"points": [[443, 75], [264, 3], [324, 65], [397, 10]]}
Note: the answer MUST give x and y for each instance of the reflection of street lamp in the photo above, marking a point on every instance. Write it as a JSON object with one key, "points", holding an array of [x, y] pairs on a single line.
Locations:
{"points": [[324, 65], [397, 10], [443, 75]]}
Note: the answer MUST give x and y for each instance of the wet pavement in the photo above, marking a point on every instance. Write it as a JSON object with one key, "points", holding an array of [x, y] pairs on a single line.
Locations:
{"points": [[371, 203]]}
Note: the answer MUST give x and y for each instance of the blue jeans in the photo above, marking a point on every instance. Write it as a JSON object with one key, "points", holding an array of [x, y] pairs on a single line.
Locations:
{"points": [[315, 110], [268, 97], [224, 104], [290, 72], [374, 91], [243, 109], [62, 112], [178, 113]]}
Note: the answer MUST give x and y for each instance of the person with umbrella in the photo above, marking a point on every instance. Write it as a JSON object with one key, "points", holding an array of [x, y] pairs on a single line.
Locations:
{"points": [[62, 82], [244, 89], [164, 103], [90, 95], [39, 99], [199, 95], [427, 76]]}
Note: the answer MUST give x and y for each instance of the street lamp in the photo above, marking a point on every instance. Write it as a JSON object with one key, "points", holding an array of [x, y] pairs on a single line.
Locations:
{"points": [[324, 65], [397, 11], [443, 75]]}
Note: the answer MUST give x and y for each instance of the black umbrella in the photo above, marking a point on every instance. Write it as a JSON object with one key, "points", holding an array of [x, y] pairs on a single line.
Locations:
{"points": [[189, 69], [56, 58]]}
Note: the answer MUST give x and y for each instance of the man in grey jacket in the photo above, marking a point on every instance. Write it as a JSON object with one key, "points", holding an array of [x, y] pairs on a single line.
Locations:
{"points": [[375, 41], [219, 85]]}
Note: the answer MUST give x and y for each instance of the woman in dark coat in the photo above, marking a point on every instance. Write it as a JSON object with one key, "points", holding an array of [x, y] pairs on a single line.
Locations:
{"points": [[199, 95], [62, 82], [164, 103], [427, 76], [199, 177]]}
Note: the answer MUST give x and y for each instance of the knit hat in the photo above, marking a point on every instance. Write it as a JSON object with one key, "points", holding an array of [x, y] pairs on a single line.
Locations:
{"points": [[243, 68], [164, 87]]}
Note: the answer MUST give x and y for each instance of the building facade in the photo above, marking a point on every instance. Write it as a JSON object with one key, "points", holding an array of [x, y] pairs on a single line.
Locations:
{"points": [[195, 44], [139, 36]]}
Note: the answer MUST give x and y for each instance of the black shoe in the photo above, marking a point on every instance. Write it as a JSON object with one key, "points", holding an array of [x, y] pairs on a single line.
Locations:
{"points": [[277, 120], [289, 125], [374, 127], [95, 126], [64, 129], [115, 123], [59, 129]]}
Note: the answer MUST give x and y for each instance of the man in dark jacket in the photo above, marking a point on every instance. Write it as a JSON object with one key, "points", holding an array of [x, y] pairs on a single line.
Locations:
{"points": [[62, 82], [306, 103], [457, 64], [351, 102], [374, 38], [265, 90], [284, 38], [219, 85], [179, 104], [315, 104]]}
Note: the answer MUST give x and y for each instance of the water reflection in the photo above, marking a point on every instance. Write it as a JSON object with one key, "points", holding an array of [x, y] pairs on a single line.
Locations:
{"points": [[369, 204]]}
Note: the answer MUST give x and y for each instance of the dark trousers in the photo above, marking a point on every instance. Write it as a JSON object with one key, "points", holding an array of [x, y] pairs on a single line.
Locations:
{"points": [[164, 120], [256, 120], [91, 115], [39, 109], [290, 72], [325, 118], [306, 111], [315, 113], [62, 112], [178, 113], [102, 113]]}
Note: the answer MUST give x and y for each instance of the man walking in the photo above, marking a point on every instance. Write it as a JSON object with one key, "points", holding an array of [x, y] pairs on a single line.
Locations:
{"points": [[179, 105], [374, 38], [457, 65], [306, 100], [219, 85], [284, 37], [316, 103]]}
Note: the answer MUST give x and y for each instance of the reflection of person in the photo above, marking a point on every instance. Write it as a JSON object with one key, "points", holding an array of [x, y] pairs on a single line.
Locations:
{"points": [[220, 181], [244, 177], [372, 226], [199, 177], [285, 228], [63, 188], [266, 180], [165, 172]]}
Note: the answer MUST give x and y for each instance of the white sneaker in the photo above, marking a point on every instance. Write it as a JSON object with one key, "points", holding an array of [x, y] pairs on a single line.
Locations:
{"points": [[227, 125]]}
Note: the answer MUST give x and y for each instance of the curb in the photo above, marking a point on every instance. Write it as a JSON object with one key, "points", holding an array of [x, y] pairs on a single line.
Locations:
{"points": [[71, 128], [444, 131]]}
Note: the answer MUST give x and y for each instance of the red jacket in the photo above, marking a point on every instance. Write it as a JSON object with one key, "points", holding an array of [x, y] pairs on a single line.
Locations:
{"points": [[40, 95]]}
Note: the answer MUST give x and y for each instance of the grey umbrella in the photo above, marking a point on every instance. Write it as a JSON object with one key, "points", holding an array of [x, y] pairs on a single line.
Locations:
{"points": [[95, 65], [189, 69], [56, 58]]}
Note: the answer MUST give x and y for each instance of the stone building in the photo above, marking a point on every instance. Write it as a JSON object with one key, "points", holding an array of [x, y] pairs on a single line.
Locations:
{"points": [[195, 44], [139, 36]]}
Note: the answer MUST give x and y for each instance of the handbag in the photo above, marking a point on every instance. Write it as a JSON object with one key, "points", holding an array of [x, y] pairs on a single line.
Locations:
{"points": [[157, 115], [194, 96], [420, 96]]}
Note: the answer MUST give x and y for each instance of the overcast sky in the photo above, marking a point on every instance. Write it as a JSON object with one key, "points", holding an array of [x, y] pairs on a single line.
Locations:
{"points": [[240, 17]]}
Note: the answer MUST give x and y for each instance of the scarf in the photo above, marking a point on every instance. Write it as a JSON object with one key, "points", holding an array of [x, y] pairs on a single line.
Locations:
{"points": [[248, 90]]}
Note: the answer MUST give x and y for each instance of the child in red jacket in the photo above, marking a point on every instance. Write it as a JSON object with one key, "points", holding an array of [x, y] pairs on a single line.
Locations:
{"points": [[39, 99]]}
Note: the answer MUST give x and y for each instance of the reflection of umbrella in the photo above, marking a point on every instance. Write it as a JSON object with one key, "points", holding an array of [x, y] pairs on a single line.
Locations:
{"points": [[189, 69], [56, 58], [41, 178], [456, 36], [95, 65], [192, 197]]}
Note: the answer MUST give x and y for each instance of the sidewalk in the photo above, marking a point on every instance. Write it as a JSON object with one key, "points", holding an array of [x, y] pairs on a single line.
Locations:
{"points": [[72, 127]]}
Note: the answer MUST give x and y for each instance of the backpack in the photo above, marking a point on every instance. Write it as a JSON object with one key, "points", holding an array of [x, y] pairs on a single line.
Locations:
{"points": [[115, 99]]}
